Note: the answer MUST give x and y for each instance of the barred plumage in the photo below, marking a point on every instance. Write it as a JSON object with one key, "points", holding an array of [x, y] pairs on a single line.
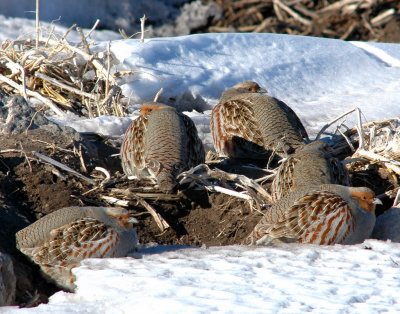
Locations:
{"points": [[247, 123], [311, 164], [324, 214], [60, 240], [160, 144]]}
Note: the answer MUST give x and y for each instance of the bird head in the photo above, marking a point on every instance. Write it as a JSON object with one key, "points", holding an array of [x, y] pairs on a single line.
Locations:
{"points": [[249, 87], [149, 107], [365, 198], [121, 217]]}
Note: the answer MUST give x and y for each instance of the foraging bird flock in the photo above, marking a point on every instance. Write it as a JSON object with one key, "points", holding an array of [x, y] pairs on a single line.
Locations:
{"points": [[313, 201]]}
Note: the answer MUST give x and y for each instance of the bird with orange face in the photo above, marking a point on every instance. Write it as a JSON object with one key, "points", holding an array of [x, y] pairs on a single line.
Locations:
{"points": [[247, 123], [160, 144], [326, 214]]}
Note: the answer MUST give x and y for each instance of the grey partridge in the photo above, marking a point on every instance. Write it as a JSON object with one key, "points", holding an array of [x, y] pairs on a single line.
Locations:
{"points": [[311, 164], [60, 240], [325, 214], [247, 123], [160, 144]]}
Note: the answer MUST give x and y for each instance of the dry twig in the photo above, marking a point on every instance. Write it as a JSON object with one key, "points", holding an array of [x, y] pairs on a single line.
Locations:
{"points": [[203, 176], [390, 164], [63, 167], [161, 223]]}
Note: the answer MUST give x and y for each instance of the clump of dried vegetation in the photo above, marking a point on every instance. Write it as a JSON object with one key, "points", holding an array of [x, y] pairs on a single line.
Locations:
{"points": [[345, 19], [61, 75], [376, 161], [370, 152]]}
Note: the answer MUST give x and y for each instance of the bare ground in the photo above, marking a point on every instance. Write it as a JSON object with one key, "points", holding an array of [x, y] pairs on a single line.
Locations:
{"points": [[33, 189]]}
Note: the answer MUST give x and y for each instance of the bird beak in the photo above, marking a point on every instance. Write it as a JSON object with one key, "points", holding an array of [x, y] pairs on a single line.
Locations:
{"points": [[133, 221], [262, 91], [377, 201]]}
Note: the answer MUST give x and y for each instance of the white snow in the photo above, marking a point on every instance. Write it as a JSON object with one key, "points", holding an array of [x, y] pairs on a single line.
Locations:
{"points": [[319, 79], [362, 278]]}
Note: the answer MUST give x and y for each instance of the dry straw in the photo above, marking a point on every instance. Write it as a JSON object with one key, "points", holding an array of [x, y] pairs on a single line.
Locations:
{"points": [[344, 19], [63, 76]]}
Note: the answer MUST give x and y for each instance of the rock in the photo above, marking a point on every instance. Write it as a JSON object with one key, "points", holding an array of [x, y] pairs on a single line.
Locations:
{"points": [[196, 15], [20, 280], [186, 102], [193, 16], [15, 276], [387, 226], [16, 116], [7, 280], [62, 130]]}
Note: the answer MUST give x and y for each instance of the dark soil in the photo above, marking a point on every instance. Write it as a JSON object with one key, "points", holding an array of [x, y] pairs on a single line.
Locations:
{"points": [[33, 189]]}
